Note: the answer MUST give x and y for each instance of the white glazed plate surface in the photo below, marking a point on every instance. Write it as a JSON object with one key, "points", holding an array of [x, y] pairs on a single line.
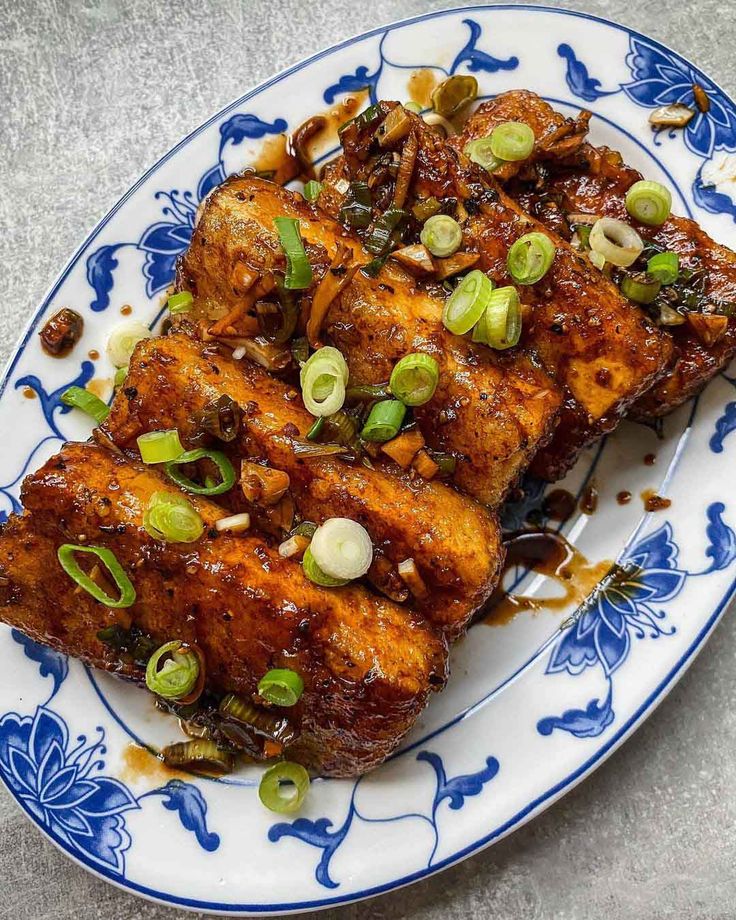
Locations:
{"points": [[533, 706]]}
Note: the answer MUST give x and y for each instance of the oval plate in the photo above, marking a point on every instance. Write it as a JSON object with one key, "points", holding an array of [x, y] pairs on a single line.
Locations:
{"points": [[532, 707]]}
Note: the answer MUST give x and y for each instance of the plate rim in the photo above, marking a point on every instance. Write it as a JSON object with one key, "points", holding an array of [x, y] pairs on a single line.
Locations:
{"points": [[554, 793]]}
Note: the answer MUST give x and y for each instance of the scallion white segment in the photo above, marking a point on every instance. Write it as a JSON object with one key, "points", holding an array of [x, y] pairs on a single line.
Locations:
{"points": [[123, 340], [342, 548], [323, 380]]}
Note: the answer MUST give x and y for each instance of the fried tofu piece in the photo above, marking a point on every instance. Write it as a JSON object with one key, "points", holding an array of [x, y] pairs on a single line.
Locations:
{"points": [[454, 541], [368, 664], [491, 413], [594, 180], [601, 352]]}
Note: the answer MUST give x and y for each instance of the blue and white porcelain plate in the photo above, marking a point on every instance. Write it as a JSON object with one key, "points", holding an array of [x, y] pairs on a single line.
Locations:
{"points": [[532, 706]]}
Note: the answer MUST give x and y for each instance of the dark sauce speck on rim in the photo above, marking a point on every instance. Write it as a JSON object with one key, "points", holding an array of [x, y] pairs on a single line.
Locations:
{"points": [[61, 333]]}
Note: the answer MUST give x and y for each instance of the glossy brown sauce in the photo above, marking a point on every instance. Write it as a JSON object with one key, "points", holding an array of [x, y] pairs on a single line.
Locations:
{"points": [[546, 553], [559, 504], [623, 497], [126, 309], [29, 393], [653, 501], [100, 386], [140, 763], [589, 499], [421, 85], [650, 459], [276, 157], [333, 119], [93, 354]]}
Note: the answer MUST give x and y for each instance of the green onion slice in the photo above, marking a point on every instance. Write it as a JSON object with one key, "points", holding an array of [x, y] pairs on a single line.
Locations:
{"points": [[467, 303], [224, 467], [640, 287], [314, 572], [316, 429], [284, 787], [616, 241], [530, 258], [79, 398], [414, 107], [172, 518], [363, 119], [120, 374], [378, 240], [512, 141], [454, 93], [160, 446], [649, 202], [414, 379], [172, 671], [342, 549], [323, 379], [442, 235], [281, 686], [355, 210], [180, 303], [123, 339], [70, 565], [500, 325], [665, 267], [384, 421], [481, 152], [312, 190], [298, 270]]}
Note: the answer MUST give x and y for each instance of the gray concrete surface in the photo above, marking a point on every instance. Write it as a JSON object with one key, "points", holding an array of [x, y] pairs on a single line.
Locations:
{"points": [[91, 93]]}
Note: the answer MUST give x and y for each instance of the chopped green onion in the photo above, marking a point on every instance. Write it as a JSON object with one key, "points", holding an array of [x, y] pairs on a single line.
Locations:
{"points": [[465, 306], [160, 446], [314, 572], [649, 202], [180, 303], [312, 190], [530, 258], [665, 267], [640, 287], [355, 210], [414, 379], [582, 231], [323, 379], [78, 398], [300, 350], [198, 756], [342, 549], [500, 325], [305, 529], [70, 565], [362, 119], [224, 467], [379, 239], [512, 141], [480, 152], [454, 93], [414, 107], [281, 686], [425, 208], [384, 421], [284, 787], [616, 241], [172, 518], [120, 374], [373, 268], [298, 270], [316, 429], [367, 392], [442, 235], [123, 340], [172, 671], [446, 462]]}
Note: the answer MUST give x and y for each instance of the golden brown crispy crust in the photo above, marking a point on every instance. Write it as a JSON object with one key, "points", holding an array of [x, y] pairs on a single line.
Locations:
{"points": [[491, 412], [601, 352], [454, 542], [368, 664], [594, 180]]}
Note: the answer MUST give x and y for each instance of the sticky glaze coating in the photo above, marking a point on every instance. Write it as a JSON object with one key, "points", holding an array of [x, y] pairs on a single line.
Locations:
{"points": [[601, 353], [454, 542], [490, 412], [368, 664], [594, 180]]}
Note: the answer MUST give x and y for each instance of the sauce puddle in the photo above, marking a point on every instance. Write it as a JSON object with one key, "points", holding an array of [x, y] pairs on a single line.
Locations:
{"points": [[139, 763], [545, 552]]}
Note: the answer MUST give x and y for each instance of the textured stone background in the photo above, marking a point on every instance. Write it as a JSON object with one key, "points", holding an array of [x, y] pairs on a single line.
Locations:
{"points": [[92, 93]]}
